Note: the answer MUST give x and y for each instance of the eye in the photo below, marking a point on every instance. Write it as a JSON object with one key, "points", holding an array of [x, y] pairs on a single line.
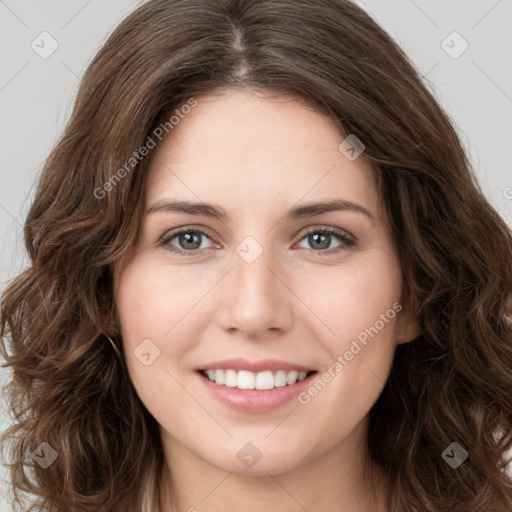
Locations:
{"points": [[320, 240], [190, 240]]}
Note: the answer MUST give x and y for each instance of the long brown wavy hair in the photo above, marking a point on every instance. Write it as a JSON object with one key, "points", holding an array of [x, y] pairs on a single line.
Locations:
{"points": [[453, 383]]}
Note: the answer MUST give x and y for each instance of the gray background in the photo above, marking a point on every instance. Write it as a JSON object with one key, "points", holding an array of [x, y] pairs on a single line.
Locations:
{"points": [[36, 94]]}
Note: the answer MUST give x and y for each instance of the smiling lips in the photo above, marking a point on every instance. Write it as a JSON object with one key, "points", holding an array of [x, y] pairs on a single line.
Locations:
{"points": [[261, 375], [254, 387]]}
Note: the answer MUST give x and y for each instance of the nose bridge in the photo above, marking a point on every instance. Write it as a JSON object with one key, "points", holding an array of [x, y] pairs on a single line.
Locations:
{"points": [[254, 298], [252, 276]]}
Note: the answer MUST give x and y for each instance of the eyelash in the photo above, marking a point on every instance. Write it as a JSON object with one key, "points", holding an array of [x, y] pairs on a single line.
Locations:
{"points": [[347, 242]]}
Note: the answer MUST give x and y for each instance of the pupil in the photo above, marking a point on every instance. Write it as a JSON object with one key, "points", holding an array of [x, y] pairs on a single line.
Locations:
{"points": [[187, 238], [323, 245]]}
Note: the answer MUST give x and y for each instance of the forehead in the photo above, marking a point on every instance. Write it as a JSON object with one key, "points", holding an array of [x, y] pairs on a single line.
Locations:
{"points": [[247, 150]]}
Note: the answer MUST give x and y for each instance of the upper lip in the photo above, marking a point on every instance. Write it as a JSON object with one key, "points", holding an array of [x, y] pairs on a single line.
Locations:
{"points": [[254, 366]]}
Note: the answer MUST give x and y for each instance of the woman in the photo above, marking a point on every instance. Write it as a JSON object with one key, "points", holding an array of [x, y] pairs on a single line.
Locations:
{"points": [[263, 273]]}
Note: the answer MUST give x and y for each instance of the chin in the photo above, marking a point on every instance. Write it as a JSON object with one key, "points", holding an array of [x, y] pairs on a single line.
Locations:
{"points": [[257, 458]]}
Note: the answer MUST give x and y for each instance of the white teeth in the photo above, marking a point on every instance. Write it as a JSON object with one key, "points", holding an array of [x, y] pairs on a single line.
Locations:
{"points": [[291, 377], [230, 379], [280, 379], [264, 380], [244, 379], [219, 376]]}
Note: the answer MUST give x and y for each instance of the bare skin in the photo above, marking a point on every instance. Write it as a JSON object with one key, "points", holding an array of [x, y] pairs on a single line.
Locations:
{"points": [[302, 300]]}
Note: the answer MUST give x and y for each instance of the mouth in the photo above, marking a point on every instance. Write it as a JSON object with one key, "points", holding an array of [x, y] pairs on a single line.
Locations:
{"points": [[258, 381], [254, 386]]}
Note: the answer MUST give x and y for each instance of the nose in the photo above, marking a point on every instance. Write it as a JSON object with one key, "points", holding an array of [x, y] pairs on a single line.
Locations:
{"points": [[255, 299]]}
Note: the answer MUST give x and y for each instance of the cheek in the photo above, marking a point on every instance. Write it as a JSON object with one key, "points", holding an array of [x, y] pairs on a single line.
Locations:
{"points": [[361, 307], [151, 300], [352, 297], [155, 300]]}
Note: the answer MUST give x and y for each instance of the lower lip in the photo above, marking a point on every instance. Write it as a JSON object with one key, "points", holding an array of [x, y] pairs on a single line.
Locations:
{"points": [[254, 400]]}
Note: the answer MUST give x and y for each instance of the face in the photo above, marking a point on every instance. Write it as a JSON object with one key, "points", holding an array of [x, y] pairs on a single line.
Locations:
{"points": [[259, 289]]}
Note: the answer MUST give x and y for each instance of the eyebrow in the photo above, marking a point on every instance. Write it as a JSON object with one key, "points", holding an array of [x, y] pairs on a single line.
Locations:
{"points": [[299, 212]]}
